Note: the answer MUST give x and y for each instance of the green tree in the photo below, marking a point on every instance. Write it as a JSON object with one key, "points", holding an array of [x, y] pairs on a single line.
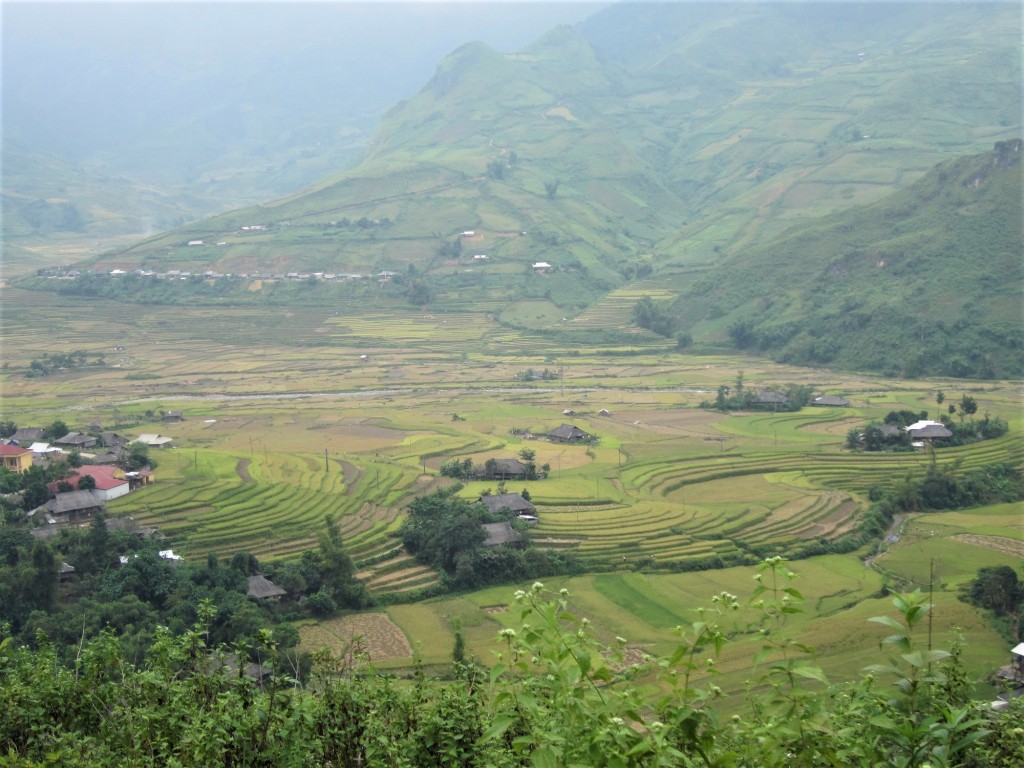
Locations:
{"points": [[551, 188], [135, 456], [56, 430], [44, 582], [337, 572], [968, 406], [998, 589], [86, 483]]}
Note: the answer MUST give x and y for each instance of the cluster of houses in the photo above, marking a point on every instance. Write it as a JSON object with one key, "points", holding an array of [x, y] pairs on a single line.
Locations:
{"points": [[87, 488], [175, 274], [502, 532]]}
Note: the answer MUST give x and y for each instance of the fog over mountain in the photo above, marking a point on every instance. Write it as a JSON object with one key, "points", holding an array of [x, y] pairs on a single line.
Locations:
{"points": [[207, 106]]}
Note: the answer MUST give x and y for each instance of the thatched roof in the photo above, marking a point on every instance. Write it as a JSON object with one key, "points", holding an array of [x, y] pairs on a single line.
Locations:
{"points": [[500, 501], [261, 587], [74, 501], [501, 533], [832, 400], [568, 432]]}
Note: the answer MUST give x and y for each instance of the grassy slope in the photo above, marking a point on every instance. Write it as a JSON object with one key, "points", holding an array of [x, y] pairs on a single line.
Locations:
{"points": [[925, 281]]}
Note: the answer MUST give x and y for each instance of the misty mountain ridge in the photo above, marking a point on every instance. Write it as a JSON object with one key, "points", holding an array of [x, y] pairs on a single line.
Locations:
{"points": [[662, 139]]}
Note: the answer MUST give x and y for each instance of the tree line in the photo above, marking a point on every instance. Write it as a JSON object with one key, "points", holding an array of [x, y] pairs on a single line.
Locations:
{"points": [[559, 694]]}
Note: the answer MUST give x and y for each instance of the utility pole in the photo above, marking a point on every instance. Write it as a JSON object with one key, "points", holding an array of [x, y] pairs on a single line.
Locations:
{"points": [[327, 467]]}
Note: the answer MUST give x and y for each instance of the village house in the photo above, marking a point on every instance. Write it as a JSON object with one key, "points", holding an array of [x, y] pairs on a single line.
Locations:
{"points": [[72, 505], [510, 501], [502, 533], [568, 433], [924, 430], [833, 401], [15, 458], [505, 469], [770, 397], [155, 441], [75, 441], [110, 482], [262, 588], [28, 435], [42, 450], [172, 416]]}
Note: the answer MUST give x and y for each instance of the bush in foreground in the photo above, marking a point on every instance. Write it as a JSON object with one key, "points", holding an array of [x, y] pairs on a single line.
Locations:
{"points": [[555, 697]]}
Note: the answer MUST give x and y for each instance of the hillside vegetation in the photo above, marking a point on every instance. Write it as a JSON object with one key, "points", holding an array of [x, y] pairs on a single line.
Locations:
{"points": [[661, 141], [924, 282]]}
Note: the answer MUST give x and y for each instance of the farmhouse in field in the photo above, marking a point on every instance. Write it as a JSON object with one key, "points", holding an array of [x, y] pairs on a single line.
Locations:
{"points": [[541, 266], [568, 433], [262, 588], [155, 441], [928, 430], [770, 397], [831, 401], [511, 501], [505, 469], [172, 416], [15, 458], [502, 533]]}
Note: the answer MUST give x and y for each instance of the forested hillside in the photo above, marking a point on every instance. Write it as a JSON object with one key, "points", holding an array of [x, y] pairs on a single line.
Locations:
{"points": [[924, 282]]}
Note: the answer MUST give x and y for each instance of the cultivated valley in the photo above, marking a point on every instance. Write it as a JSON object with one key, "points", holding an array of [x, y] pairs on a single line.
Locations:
{"points": [[688, 301]]}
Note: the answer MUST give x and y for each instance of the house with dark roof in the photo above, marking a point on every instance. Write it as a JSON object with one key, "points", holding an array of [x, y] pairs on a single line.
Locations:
{"points": [[172, 416], [770, 397], [505, 469], [262, 588], [75, 441], [27, 435], [928, 430], [511, 501], [113, 440], [568, 433], [502, 533], [73, 504], [833, 401]]}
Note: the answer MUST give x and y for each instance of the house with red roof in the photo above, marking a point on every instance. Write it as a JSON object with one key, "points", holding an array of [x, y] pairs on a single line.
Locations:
{"points": [[110, 481], [15, 458]]}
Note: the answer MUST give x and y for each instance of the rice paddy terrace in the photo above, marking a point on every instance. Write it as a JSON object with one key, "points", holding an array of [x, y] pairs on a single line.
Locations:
{"points": [[307, 411]]}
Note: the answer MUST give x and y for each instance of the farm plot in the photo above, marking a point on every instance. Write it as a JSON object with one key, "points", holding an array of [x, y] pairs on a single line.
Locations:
{"points": [[374, 633], [276, 512]]}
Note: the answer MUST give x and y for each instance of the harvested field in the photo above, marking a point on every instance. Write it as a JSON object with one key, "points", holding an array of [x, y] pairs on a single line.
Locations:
{"points": [[996, 543], [382, 637]]}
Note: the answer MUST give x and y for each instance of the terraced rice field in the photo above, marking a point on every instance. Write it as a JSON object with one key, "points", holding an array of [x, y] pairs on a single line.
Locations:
{"points": [[386, 395]]}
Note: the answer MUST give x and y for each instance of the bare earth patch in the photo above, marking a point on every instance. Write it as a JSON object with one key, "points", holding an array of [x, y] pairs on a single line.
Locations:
{"points": [[242, 470], [383, 638], [998, 543]]}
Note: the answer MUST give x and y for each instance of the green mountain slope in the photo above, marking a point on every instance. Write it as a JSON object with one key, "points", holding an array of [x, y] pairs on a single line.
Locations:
{"points": [[657, 138], [926, 281]]}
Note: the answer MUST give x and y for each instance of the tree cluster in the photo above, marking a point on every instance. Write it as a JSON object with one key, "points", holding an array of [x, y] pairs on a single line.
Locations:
{"points": [[998, 589], [445, 532], [120, 582], [741, 398], [947, 487], [557, 696], [48, 363]]}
